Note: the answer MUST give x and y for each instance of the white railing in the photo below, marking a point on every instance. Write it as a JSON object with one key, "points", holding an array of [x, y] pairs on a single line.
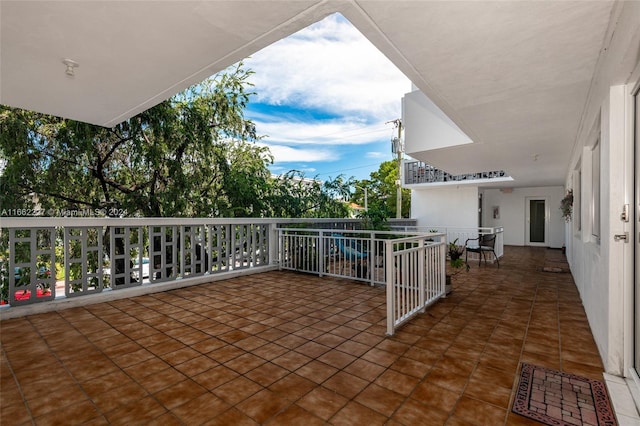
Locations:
{"points": [[98, 255], [417, 172], [416, 278], [411, 266], [112, 254], [461, 235]]}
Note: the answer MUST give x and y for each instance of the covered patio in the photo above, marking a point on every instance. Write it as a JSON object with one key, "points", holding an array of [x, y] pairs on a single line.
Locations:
{"points": [[290, 348]]}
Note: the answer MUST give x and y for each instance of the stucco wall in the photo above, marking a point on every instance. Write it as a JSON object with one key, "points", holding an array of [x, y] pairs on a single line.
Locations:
{"points": [[454, 206], [600, 267], [513, 205]]}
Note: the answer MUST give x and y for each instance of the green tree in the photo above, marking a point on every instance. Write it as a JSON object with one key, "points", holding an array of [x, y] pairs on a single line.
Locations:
{"points": [[190, 155], [294, 195], [381, 189]]}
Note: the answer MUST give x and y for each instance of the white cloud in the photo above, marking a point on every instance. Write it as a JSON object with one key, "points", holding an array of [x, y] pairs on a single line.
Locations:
{"points": [[332, 132], [372, 154], [286, 154], [332, 67]]}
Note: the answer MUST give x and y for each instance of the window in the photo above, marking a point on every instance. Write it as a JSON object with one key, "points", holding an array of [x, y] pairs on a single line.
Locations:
{"points": [[595, 191]]}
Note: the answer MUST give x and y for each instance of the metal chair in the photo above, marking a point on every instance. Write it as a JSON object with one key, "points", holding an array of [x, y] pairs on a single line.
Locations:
{"points": [[485, 243]]}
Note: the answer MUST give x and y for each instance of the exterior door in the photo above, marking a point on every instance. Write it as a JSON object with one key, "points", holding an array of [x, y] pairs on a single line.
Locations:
{"points": [[635, 232], [536, 222]]}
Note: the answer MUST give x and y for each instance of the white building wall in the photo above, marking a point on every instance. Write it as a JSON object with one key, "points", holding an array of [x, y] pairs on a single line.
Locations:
{"points": [[451, 206], [512, 208], [602, 268]]}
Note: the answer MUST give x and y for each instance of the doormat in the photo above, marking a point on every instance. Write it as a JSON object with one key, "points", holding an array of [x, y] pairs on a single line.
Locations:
{"points": [[556, 398]]}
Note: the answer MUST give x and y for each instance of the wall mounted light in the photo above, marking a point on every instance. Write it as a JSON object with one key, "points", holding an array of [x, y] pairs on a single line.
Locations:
{"points": [[71, 66]]}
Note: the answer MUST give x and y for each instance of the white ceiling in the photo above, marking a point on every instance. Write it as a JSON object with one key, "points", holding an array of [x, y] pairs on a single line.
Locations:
{"points": [[513, 75]]}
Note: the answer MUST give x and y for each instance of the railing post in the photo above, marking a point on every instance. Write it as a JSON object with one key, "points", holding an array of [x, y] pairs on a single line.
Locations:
{"points": [[373, 247], [321, 253], [391, 288], [276, 248], [422, 252], [442, 267]]}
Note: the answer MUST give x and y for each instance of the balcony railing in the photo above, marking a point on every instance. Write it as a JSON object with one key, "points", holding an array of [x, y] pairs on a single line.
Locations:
{"points": [[411, 265], [61, 259], [460, 235], [417, 172]]}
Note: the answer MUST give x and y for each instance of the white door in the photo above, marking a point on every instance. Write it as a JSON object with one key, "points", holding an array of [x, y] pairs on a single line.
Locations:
{"points": [[635, 234], [536, 223]]}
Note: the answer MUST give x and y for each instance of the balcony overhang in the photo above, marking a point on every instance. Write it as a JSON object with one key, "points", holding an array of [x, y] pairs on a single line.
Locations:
{"points": [[513, 76]]}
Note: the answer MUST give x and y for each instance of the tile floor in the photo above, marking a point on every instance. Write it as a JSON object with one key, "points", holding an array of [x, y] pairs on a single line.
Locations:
{"points": [[282, 348]]}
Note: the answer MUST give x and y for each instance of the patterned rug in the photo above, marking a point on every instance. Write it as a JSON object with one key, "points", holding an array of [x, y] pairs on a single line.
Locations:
{"points": [[556, 398]]}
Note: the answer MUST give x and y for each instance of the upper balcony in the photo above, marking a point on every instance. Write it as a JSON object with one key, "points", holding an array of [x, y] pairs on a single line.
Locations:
{"points": [[423, 174]]}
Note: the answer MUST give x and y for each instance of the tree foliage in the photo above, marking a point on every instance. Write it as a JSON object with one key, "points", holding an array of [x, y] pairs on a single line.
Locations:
{"points": [[381, 189], [192, 155]]}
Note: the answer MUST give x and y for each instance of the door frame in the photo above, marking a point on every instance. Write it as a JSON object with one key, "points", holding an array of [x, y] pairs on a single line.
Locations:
{"points": [[527, 221]]}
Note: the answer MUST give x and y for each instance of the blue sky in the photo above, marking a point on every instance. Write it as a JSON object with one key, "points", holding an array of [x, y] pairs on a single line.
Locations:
{"points": [[323, 97]]}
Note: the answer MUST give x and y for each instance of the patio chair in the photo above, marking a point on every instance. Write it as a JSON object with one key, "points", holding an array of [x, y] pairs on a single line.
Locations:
{"points": [[352, 251], [483, 244]]}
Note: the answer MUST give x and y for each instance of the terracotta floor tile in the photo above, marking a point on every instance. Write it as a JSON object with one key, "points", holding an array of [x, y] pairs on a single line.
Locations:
{"points": [[294, 416], [266, 374], [207, 346], [435, 396], [410, 367], [291, 341], [144, 368], [337, 359], [344, 331], [196, 365], [316, 371], [322, 402], [117, 397], [380, 357], [244, 363], [312, 349], [355, 414], [225, 353], [291, 360], [479, 413], [136, 412], [166, 419], [263, 405], [329, 340], [131, 358], [292, 387], [80, 411], [364, 369], [215, 377], [488, 391], [16, 414], [397, 382], [412, 412], [237, 390], [60, 398], [346, 384], [48, 382], [233, 417], [110, 381], [447, 379], [380, 399], [179, 393]]}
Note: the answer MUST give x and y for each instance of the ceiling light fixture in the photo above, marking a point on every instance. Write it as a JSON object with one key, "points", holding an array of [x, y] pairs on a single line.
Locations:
{"points": [[71, 66]]}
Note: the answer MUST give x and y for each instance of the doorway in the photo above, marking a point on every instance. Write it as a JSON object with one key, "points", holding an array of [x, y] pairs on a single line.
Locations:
{"points": [[537, 227], [634, 232]]}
